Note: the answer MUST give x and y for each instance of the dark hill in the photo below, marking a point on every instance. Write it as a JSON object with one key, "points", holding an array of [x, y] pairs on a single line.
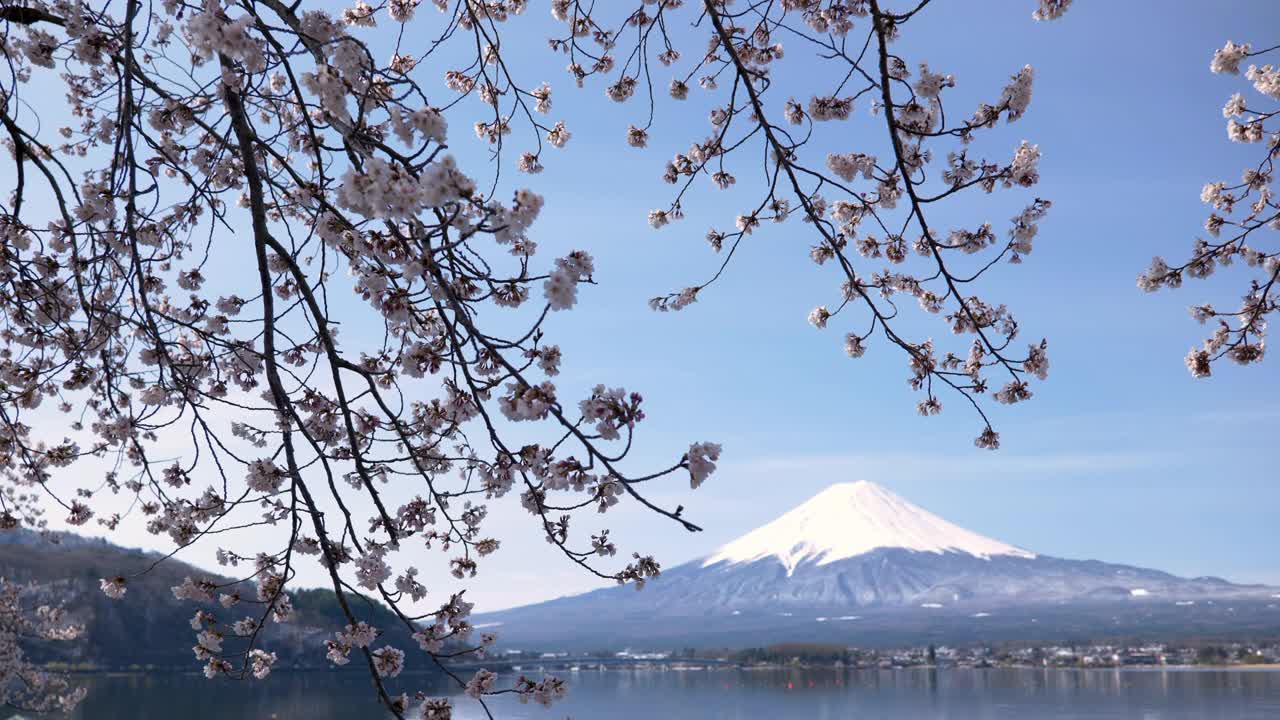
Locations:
{"points": [[149, 627]]}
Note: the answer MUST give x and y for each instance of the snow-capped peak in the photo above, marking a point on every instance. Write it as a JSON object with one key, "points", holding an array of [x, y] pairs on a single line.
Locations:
{"points": [[850, 519]]}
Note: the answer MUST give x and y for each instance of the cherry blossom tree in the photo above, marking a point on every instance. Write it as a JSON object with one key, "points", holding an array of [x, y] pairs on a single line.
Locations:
{"points": [[869, 216], [210, 197], [25, 686], [1242, 214]]}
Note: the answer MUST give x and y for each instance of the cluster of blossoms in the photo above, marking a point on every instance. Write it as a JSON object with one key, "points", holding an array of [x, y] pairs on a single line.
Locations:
{"points": [[1241, 218], [25, 685], [236, 183], [870, 208]]}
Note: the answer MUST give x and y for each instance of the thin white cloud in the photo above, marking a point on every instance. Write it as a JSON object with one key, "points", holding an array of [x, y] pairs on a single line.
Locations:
{"points": [[899, 465]]}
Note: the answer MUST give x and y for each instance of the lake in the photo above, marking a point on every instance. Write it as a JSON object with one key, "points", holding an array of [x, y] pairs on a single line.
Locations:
{"points": [[991, 694]]}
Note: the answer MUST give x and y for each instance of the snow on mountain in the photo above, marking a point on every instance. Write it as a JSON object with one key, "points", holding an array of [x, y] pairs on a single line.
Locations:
{"points": [[851, 519], [856, 563]]}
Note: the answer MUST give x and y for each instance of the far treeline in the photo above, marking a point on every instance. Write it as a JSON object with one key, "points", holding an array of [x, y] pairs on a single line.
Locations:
{"points": [[798, 653]]}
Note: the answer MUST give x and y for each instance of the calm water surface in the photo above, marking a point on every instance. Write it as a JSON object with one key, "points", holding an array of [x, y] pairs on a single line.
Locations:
{"points": [[733, 695]]}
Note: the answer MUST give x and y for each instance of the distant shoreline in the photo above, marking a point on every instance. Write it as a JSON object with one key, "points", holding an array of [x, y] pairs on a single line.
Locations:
{"points": [[694, 666]]}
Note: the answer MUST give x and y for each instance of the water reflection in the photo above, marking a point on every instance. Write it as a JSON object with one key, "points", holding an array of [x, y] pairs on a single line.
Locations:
{"points": [[993, 694]]}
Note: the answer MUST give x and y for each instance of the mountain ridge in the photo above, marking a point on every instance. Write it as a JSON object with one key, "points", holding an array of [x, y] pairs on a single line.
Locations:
{"points": [[850, 519], [860, 563], [149, 627]]}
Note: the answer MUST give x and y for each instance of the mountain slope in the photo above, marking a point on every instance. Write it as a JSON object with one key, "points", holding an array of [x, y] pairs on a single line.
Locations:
{"points": [[852, 519], [149, 627], [858, 563]]}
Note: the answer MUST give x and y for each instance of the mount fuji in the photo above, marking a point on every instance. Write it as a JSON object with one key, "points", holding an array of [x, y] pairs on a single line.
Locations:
{"points": [[858, 564]]}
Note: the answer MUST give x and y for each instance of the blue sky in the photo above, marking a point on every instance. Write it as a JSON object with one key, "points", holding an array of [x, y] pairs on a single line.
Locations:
{"points": [[1121, 456]]}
